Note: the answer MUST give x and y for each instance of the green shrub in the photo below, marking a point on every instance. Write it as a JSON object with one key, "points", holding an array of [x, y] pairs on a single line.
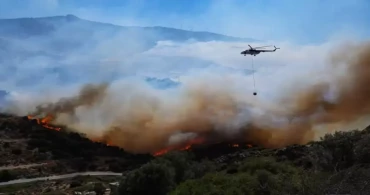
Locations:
{"points": [[179, 161], [217, 184], [255, 176], [17, 151], [320, 158], [362, 150], [75, 183], [337, 149], [269, 164], [5, 176], [99, 188], [151, 178]]}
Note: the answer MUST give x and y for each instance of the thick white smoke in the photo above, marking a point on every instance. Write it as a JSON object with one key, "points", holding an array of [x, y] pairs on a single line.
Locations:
{"points": [[214, 95]]}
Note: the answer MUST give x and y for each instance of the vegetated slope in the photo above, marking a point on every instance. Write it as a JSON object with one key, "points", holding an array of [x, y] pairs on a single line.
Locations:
{"points": [[24, 141], [338, 164]]}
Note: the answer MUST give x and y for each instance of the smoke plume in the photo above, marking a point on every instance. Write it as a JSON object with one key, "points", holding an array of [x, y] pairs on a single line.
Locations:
{"points": [[141, 119]]}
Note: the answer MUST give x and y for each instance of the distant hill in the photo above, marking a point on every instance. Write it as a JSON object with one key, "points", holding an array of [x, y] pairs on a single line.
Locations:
{"points": [[162, 83], [60, 36], [46, 26], [68, 49]]}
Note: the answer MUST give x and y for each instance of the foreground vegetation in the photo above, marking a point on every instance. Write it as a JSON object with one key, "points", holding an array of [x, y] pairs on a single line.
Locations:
{"points": [[338, 164]]}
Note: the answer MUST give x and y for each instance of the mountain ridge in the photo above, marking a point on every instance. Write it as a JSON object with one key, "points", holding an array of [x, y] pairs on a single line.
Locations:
{"points": [[49, 23], [52, 45]]}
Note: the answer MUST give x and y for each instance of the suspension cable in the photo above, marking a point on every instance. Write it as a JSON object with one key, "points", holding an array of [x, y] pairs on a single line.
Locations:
{"points": [[254, 81]]}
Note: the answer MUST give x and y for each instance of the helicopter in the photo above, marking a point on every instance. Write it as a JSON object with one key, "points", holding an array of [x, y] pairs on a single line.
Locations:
{"points": [[254, 51]]}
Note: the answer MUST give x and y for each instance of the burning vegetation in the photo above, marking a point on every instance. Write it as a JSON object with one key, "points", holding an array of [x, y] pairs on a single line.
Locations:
{"points": [[187, 146], [45, 122]]}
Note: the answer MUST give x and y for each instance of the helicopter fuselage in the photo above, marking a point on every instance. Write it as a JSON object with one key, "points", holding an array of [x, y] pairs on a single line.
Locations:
{"points": [[250, 52]]}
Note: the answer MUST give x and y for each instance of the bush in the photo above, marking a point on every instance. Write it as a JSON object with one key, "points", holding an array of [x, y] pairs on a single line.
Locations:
{"points": [[255, 176], [269, 164], [179, 161], [232, 169], [115, 167], [152, 178], [217, 184], [99, 188], [16, 151], [75, 184], [320, 158], [6, 145], [362, 150], [350, 181], [341, 145], [198, 170], [5, 176]]}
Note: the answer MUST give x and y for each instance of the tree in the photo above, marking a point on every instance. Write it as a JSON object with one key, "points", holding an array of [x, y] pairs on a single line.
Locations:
{"points": [[17, 151], [362, 150], [261, 175], [99, 188], [5, 176], [75, 183], [152, 178], [180, 161], [341, 145], [218, 184]]}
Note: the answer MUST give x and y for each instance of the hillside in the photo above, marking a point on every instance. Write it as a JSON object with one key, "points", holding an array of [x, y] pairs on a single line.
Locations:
{"points": [[338, 164], [24, 141]]}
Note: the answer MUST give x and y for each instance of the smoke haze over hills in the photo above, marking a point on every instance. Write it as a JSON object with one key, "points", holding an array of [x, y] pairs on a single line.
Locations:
{"points": [[135, 90]]}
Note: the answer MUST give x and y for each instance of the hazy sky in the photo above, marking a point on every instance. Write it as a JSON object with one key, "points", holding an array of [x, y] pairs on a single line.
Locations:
{"points": [[305, 21]]}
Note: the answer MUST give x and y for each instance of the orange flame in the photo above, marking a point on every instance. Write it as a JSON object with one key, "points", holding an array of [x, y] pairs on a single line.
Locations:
{"points": [[45, 122], [186, 147], [189, 145]]}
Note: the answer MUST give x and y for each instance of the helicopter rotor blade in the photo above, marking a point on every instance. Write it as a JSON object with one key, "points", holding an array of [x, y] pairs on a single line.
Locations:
{"points": [[263, 46]]}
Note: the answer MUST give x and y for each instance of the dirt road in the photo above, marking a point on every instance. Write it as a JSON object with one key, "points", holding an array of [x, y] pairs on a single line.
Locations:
{"points": [[56, 177]]}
